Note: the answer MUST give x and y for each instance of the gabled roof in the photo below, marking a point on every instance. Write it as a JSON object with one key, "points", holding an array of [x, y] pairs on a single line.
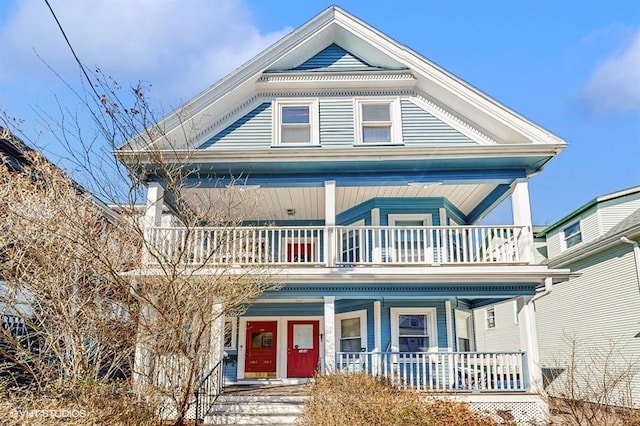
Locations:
{"points": [[362, 48], [593, 203]]}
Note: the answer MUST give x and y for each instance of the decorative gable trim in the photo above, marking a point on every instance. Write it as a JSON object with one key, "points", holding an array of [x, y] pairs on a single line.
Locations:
{"points": [[349, 76]]}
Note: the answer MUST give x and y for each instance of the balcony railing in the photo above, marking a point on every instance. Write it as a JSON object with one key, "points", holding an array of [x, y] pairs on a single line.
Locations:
{"points": [[341, 245], [442, 371]]}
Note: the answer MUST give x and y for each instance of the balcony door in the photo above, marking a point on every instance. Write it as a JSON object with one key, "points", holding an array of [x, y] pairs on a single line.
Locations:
{"points": [[411, 245]]}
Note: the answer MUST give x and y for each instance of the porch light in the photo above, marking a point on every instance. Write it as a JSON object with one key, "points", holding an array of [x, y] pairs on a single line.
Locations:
{"points": [[291, 212], [424, 185]]}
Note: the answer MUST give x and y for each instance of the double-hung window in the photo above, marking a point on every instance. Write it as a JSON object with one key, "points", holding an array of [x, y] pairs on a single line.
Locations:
{"points": [[490, 317], [413, 329], [295, 123], [378, 122], [351, 331], [572, 235]]}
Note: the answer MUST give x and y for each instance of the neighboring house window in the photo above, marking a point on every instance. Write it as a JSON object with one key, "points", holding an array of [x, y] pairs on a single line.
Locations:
{"points": [[490, 315], [378, 122], [230, 331], [351, 331], [572, 235], [413, 329], [296, 123]]}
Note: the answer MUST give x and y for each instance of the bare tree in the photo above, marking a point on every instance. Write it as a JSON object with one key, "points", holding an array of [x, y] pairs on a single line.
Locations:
{"points": [[100, 291]]}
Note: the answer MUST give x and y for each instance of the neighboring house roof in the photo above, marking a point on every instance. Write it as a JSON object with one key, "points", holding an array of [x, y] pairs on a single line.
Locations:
{"points": [[628, 227], [598, 200]]}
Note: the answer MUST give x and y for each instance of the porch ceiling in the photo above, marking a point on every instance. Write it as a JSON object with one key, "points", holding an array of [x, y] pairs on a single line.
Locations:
{"points": [[307, 203]]}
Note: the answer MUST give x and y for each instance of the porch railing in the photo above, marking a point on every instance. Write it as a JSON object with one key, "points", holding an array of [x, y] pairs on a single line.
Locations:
{"points": [[340, 245], [208, 391], [442, 371]]}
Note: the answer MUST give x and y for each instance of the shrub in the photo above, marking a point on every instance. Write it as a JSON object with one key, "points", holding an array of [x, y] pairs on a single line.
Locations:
{"points": [[359, 399]]}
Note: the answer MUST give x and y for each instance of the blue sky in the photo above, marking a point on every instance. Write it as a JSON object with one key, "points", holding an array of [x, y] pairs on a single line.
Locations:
{"points": [[571, 67]]}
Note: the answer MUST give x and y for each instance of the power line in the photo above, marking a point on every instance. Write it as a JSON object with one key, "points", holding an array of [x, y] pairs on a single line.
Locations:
{"points": [[84, 71]]}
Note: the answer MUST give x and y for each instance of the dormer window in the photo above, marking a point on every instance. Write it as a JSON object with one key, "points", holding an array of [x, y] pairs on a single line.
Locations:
{"points": [[295, 123], [572, 235], [378, 122]]}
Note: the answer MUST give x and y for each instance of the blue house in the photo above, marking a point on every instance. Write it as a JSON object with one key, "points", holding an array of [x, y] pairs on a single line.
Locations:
{"points": [[374, 168]]}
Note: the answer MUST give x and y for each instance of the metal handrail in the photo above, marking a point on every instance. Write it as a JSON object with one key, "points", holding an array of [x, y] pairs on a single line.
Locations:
{"points": [[208, 391]]}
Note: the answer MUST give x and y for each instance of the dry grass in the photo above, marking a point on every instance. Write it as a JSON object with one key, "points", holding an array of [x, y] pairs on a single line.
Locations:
{"points": [[359, 399], [83, 404]]}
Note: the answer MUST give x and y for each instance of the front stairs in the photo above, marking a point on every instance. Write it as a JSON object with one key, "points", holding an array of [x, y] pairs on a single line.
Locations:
{"points": [[258, 405]]}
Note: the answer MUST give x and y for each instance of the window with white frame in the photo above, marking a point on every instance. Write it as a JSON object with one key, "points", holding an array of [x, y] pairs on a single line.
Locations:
{"points": [[490, 317], [410, 240], [351, 331], [572, 235], [230, 332], [413, 329], [295, 122], [464, 331], [378, 121]]}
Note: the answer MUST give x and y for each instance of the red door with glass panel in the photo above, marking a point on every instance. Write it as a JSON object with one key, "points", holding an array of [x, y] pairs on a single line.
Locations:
{"points": [[261, 348], [303, 348], [300, 252]]}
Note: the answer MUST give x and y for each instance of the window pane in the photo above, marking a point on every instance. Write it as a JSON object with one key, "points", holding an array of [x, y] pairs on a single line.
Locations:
{"points": [[303, 336], [350, 327], [295, 114], [228, 334], [573, 240], [375, 112], [350, 345], [376, 134], [413, 344], [413, 325], [261, 339], [295, 134], [571, 230]]}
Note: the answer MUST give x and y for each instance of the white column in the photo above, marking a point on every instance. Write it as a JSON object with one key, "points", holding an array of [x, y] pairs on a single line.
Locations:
{"points": [[143, 357], [377, 338], [449, 323], [377, 241], [529, 342], [330, 221], [329, 333], [155, 201], [521, 208]]}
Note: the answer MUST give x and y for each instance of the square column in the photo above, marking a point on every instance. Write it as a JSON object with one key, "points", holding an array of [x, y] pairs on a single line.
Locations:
{"points": [[329, 334], [529, 341], [155, 202], [521, 208], [330, 222]]}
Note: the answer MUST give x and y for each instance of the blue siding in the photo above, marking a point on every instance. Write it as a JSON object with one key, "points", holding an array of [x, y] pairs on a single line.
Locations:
{"points": [[358, 305], [333, 57], [286, 309], [420, 127], [336, 122], [254, 130], [389, 206]]}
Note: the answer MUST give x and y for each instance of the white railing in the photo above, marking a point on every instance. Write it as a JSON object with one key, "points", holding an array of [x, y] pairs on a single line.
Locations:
{"points": [[442, 371], [340, 245]]}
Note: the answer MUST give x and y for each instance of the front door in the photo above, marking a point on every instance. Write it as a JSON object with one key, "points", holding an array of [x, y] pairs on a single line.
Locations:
{"points": [[303, 348], [260, 360]]}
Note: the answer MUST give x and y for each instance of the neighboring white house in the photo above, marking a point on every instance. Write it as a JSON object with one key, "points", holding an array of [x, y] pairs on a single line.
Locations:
{"points": [[375, 167], [599, 308]]}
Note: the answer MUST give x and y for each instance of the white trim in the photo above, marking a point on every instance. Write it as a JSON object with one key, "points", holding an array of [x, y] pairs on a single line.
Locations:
{"points": [[395, 119], [281, 339], [362, 315], [432, 326], [234, 332], [486, 318], [563, 235], [515, 311], [314, 126], [427, 219]]}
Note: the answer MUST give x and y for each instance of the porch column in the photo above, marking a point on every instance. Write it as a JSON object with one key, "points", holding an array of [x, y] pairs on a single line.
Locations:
{"points": [[377, 337], [143, 357], [217, 335], [529, 342], [155, 201], [329, 334], [521, 208], [377, 240], [330, 222]]}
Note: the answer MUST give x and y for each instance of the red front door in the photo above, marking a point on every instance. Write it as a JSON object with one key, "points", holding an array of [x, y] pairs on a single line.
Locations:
{"points": [[303, 348], [261, 348]]}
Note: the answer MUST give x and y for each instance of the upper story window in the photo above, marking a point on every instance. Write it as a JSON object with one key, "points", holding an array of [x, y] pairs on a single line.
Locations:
{"points": [[295, 122], [572, 235], [378, 122]]}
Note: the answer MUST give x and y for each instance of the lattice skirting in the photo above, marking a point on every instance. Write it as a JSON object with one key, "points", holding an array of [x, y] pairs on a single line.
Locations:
{"points": [[522, 413]]}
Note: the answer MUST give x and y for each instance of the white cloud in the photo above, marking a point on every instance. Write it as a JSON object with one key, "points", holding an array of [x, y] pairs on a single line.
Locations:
{"points": [[614, 86], [180, 46]]}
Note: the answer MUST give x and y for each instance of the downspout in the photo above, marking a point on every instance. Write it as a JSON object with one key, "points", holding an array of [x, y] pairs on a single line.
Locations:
{"points": [[548, 286], [636, 252]]}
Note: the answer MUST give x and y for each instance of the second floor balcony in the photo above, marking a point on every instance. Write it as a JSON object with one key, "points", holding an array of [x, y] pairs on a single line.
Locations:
{"points": [[340, 246]]}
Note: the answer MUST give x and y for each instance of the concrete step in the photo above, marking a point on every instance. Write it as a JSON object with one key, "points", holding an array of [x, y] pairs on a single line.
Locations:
{"points": [[255, 410]]}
